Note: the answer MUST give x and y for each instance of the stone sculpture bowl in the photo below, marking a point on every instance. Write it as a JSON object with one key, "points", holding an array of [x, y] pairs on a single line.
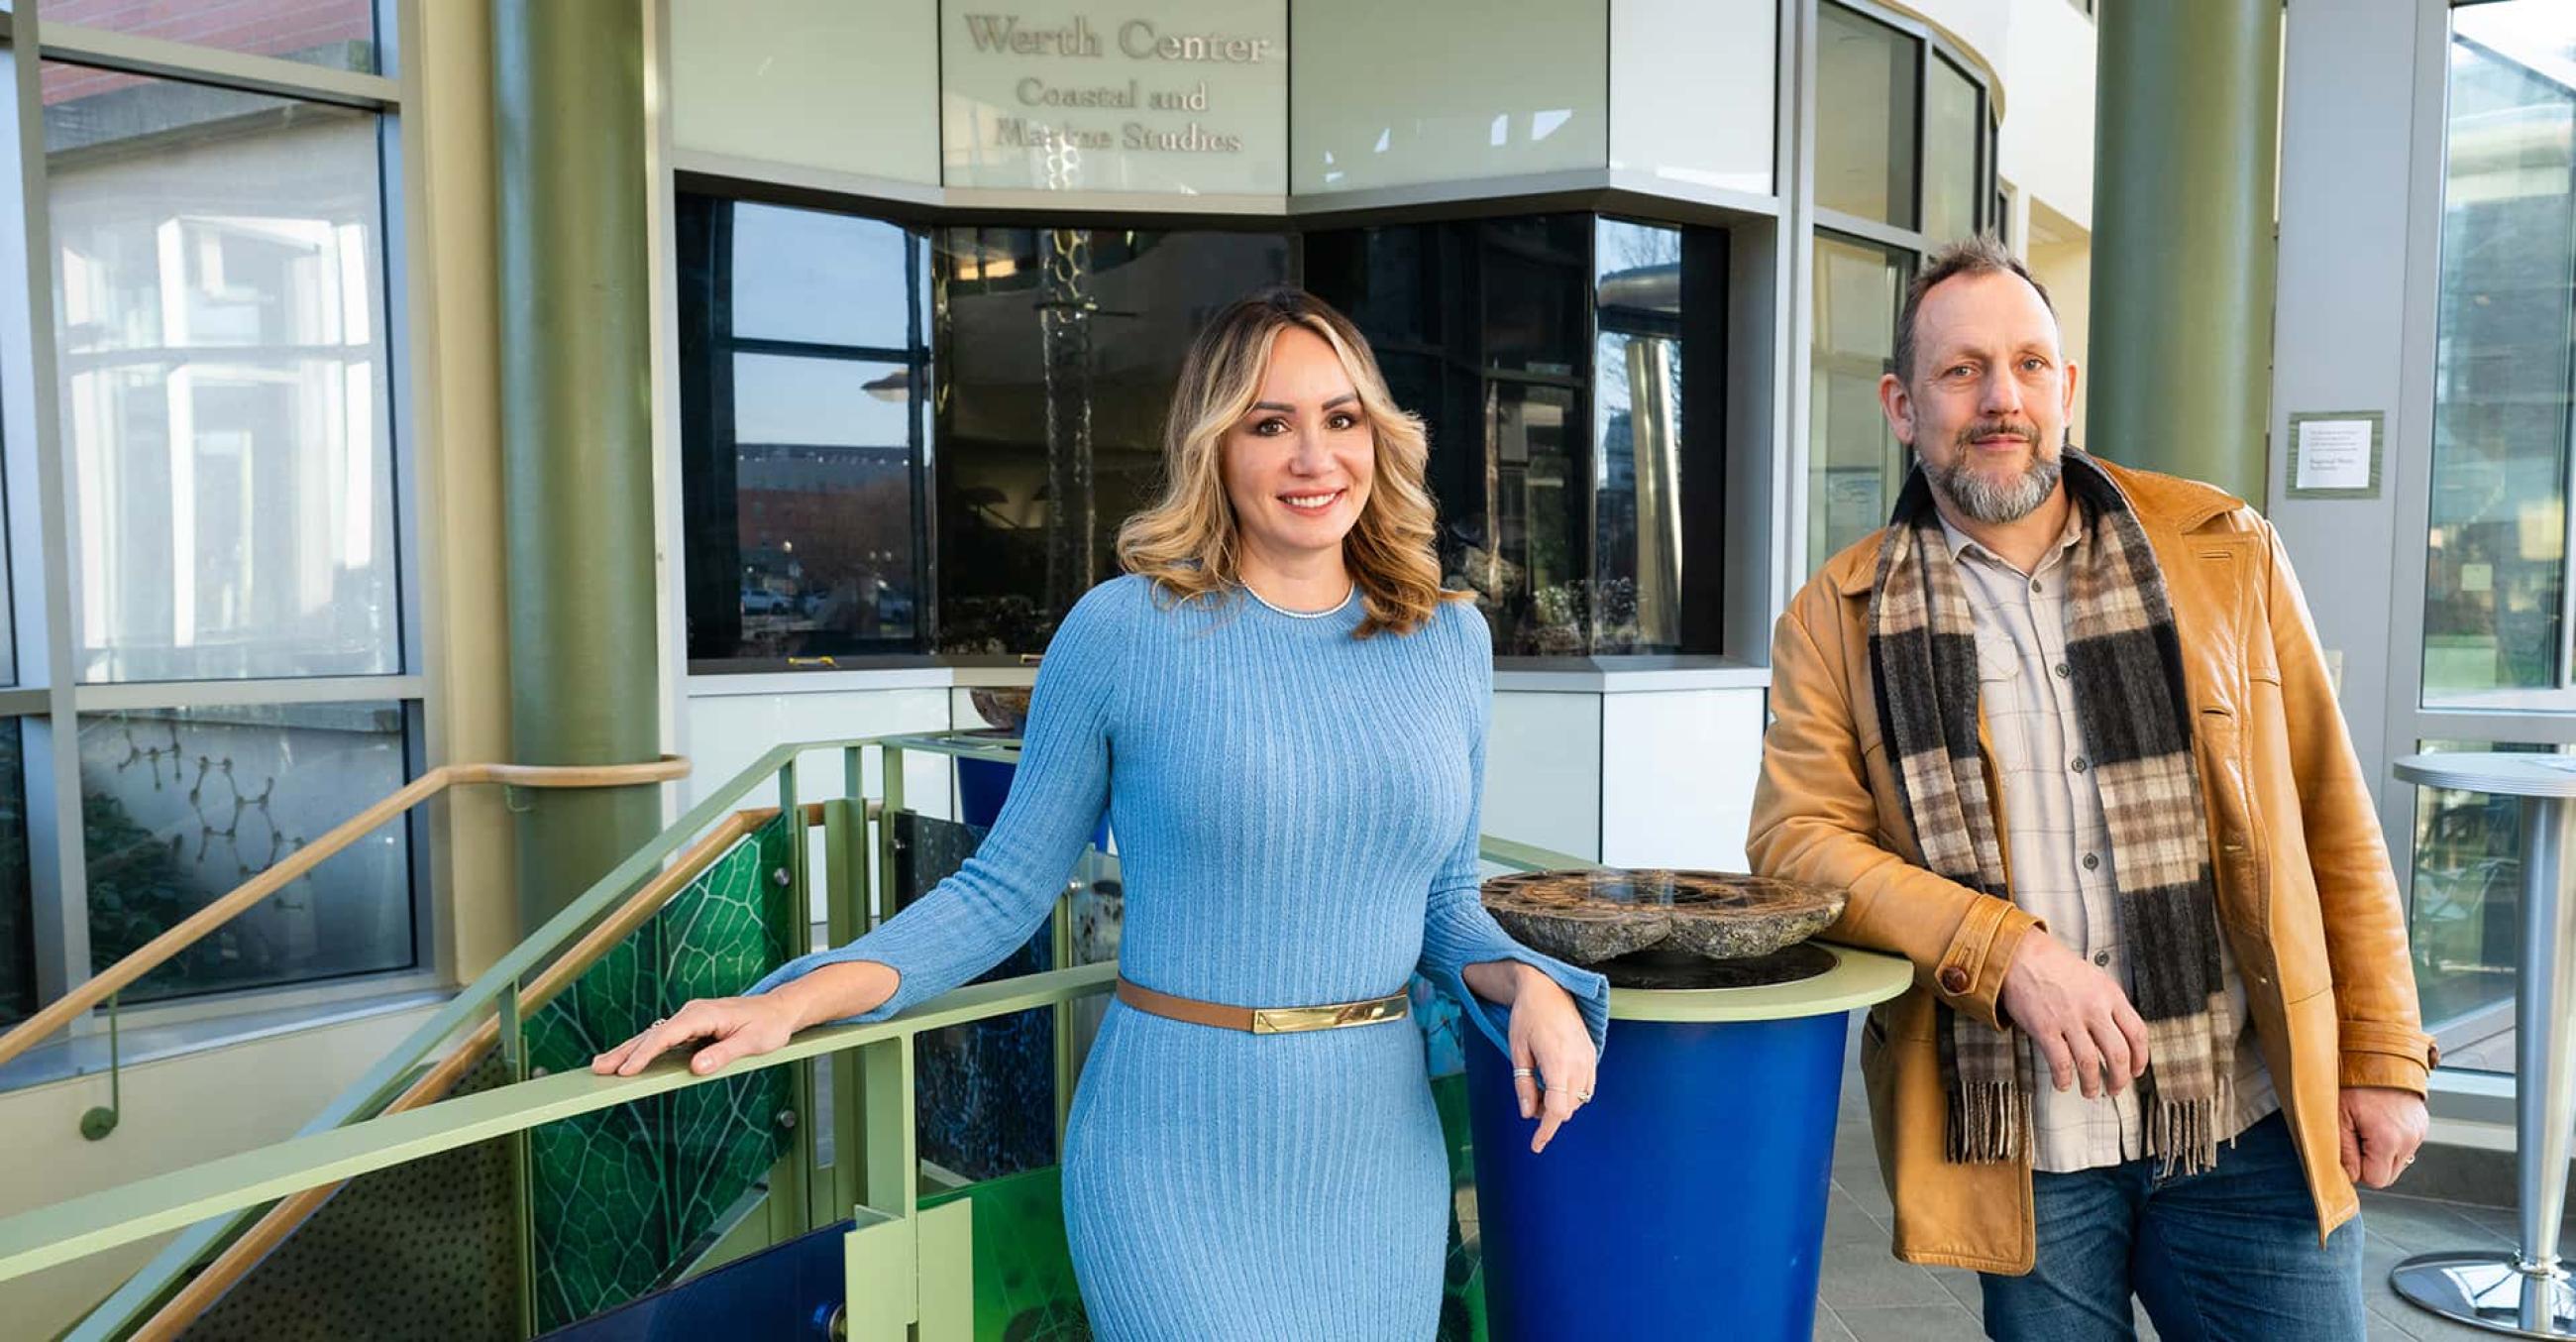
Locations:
{"points": [[1592, 917], [1006, 708]]}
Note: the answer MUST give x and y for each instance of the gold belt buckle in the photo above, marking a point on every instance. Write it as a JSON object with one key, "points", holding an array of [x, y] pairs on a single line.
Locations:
{"points": [[1290, 1020]]}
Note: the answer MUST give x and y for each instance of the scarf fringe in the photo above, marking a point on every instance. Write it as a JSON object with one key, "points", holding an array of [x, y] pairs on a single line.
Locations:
{"points": [[1989, 1122], [2183, 1136]]}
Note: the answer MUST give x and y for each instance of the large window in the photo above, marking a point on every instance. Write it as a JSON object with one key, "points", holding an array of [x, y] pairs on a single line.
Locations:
{"points": [[1578, 471], [2496, 630], [183, 804], [1904, 164], [920, 438], [226, 666], [865, 403], [1869, 78], [805, 369], [2496, 624], [221, 281]]}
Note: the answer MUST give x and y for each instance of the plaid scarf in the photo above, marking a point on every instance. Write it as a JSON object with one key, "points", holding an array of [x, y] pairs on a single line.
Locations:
{"points": [[2136, 723]]}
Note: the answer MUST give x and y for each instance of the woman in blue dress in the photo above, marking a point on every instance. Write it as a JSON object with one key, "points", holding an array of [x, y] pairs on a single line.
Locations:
{"points": [[1284, 717]]}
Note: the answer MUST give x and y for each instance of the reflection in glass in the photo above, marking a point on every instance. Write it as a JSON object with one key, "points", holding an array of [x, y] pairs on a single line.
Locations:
{"points": [[1060, 348], [2464, 910], [181, 805], [1534, 318], [335, 34], [1865, 108], [1528, 576], [1638, 535], [17, 906], [224, 383], [1578, 474], [1952, 132], [805, 361], [2495, 628], [1856, 463]]}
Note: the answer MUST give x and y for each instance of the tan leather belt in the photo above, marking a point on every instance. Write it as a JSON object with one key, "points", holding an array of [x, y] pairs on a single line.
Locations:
{"points": [[1264, 1020]]}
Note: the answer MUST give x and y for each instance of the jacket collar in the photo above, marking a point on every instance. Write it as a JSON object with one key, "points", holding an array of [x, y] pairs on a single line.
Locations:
{"points": [[2163, 504]]}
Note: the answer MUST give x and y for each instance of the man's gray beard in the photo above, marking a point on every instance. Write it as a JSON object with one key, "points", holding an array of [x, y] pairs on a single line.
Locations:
{"points": [[1997, 504]]}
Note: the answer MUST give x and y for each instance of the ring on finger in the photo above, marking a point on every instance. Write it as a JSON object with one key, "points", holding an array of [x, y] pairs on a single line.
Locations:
{"points": [[1519, 1072]]}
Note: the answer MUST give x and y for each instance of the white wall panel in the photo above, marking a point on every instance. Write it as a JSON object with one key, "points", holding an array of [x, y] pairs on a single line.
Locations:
{"points": [[1543, 771], [1677, 774]]}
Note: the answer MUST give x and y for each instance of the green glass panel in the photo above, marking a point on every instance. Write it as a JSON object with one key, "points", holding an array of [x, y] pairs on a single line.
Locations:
{"points": [[622, 1198], [1024, 1287], [1462, 1306]]}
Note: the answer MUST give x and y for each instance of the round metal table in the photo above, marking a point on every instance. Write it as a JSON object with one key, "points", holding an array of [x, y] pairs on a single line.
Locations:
{"points": [[2526, 1293]]}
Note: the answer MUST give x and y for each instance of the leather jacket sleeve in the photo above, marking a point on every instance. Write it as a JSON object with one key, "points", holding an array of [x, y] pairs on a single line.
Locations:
{"points": [[2382, 1040]]}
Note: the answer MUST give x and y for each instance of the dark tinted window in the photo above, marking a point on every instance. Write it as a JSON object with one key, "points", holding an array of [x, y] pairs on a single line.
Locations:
{"points": [[1578, 472], [805, 358], [1058, 350]]}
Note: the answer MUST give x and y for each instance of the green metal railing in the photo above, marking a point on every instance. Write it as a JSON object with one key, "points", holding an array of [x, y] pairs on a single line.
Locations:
{"points": [[908, 1267], [496, 993]]}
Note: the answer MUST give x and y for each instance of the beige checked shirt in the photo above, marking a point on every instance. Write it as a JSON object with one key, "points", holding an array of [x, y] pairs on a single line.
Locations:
{"points": [[2058, 840]]}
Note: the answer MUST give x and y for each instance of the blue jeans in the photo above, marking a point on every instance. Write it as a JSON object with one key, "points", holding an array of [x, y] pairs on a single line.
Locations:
{"points": [[2229, 1253]]}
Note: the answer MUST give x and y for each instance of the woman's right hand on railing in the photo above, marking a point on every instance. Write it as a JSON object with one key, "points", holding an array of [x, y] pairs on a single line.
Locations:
{"points": [[744, 1027]]}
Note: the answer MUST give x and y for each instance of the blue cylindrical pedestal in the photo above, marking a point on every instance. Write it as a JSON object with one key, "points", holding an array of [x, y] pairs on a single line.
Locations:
{"points": [[1686, 1200], [982, 787]]}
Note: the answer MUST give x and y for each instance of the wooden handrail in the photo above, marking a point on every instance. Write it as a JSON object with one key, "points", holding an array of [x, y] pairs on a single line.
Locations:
{"points": [[153, 954], [245, 1252]]}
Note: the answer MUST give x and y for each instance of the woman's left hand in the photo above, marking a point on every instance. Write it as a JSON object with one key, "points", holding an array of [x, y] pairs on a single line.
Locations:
{"points": [[1553, 1061]]}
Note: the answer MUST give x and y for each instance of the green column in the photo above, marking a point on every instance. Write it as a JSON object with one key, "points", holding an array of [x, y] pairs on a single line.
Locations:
{"points": [[2186, 142], [568, 121]]}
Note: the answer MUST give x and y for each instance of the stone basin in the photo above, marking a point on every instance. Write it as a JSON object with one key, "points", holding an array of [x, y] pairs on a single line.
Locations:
{"points": [[1595, 916], [1007, 708]]}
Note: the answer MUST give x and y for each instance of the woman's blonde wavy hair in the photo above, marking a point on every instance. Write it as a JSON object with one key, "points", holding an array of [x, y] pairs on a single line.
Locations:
{"points": [[1186, 543]]}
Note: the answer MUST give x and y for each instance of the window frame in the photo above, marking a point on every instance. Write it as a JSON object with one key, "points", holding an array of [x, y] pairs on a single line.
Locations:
{"points": [[851, 671], [35, 491], [2483, 1097], [1988, 209]]}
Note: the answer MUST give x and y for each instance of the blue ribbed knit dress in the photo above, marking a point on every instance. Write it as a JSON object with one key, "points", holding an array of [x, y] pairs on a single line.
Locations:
{"points": [[1295, 813]]}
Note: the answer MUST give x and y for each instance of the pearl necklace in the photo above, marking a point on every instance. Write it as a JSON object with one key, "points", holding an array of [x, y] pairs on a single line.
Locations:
{"points": [[1333, 609]]}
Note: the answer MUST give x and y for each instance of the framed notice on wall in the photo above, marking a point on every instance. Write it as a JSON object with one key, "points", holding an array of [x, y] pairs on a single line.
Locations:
{"points": [[2334, 454]]}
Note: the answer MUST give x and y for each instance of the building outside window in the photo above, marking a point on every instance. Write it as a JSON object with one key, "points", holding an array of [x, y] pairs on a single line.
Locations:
{"points": [[805, 369]]}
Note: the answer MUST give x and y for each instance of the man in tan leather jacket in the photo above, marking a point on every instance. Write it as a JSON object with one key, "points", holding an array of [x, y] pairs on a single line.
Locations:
{"points": [[2083, 1196]]}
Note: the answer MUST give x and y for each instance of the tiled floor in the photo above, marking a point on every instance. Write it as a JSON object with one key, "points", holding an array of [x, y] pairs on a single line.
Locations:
{"points": [[1865, 1293]]}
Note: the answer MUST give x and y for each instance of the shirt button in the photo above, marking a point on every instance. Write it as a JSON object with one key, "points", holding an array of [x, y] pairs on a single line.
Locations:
{"points": [[2079, 765], [2034, 584], [1954, 980], [2102, 958], [2091, 862], [2064, 671]]}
